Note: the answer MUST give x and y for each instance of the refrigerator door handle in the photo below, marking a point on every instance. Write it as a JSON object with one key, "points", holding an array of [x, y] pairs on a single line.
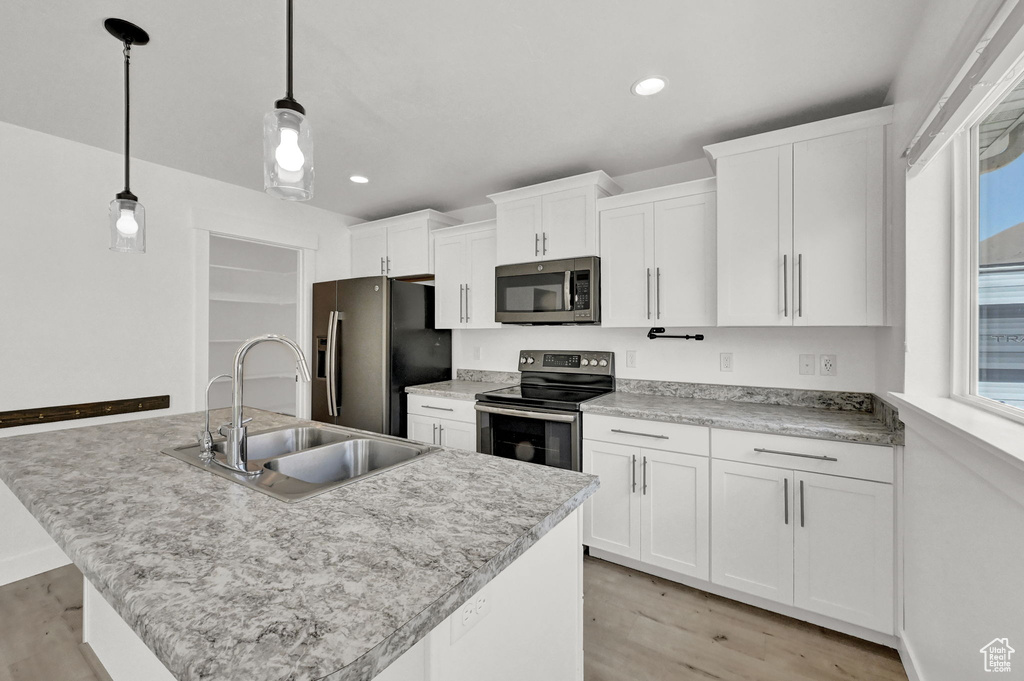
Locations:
{"points": [[332, 328]]}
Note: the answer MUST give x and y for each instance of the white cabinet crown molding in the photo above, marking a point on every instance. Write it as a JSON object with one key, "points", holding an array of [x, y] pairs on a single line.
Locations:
{"points": [[799, 133], [435, 219], [598, 178], [466, 227], [671, 191]]}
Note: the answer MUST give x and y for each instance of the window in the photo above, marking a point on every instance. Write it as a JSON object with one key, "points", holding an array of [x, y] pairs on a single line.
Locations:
{"points": [[997, 258]]}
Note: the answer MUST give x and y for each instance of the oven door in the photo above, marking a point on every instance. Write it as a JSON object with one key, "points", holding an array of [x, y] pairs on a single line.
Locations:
{"points": [[550, 438]]}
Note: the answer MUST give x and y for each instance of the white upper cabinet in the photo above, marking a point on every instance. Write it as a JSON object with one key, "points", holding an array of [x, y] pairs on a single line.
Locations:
{"points": [[398, 246], [801, 224], [658, 256], [551, 221], [464, 258]]}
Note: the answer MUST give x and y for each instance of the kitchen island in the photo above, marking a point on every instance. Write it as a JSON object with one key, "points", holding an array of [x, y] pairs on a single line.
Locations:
{"points": [[221, 582]]}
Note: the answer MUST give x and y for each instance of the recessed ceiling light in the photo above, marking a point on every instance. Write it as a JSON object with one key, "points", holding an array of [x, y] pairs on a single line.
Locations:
{"points": [[359, 179], [652, 85]]}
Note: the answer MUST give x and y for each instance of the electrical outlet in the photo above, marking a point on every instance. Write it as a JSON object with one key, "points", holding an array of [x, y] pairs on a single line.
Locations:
{"points": [[631, 359], [806, 365], [828, 365], [725, 361], [477, 354], [469, 615]]}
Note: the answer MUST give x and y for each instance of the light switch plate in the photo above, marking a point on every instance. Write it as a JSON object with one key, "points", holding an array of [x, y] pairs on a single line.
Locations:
{"points": [[806, 365]]}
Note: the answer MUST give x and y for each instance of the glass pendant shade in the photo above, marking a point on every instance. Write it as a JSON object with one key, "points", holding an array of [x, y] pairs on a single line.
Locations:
{"points": [[127, 226], [287, 155]]}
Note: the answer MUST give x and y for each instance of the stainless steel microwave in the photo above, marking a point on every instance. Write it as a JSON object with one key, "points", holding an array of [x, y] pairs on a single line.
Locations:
{"points": [[548, 292]]}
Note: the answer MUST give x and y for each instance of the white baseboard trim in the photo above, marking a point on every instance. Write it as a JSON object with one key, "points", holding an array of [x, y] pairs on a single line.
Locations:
{"points": [[908, 659], [33, 563], [887, 640]]}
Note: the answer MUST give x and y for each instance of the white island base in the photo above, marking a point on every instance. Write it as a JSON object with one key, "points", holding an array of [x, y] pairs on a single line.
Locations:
{"points": [[526, 623]]}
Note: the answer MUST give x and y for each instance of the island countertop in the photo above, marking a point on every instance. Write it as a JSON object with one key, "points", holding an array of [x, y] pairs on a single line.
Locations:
{"points": [[223, 582]]}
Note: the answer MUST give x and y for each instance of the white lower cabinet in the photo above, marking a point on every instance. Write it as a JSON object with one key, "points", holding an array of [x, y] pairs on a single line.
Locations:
{"points": [[652, 505], [843, 549], [823, 543], [442, 421], [752, 529]]}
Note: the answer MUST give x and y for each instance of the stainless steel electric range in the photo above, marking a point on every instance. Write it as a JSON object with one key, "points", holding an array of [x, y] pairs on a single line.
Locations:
{"points": [[539, 420]]}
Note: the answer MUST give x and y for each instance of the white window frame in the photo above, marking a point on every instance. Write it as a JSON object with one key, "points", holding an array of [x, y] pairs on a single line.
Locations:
{"points": [[964, 300]]}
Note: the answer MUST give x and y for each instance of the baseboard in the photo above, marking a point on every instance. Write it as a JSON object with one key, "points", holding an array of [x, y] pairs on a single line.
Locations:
{"points": [[854, 630], [908, 659], [98, 670], [33, 563]]}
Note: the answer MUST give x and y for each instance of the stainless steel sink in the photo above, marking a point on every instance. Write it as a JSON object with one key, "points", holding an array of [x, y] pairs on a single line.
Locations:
{"points": [[299, 462]]}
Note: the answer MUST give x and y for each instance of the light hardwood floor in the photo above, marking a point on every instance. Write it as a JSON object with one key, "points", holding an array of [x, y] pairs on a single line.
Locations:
{"points": [[643, 628], [637, 628], [41, 630]]}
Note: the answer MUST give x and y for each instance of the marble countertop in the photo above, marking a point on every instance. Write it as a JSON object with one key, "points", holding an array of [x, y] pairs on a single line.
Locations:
{"points": [[456, 389], [224, 583], [801, 421]]}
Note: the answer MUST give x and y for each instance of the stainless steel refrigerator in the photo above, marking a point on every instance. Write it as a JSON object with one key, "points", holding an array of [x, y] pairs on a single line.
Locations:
{"points": [[372, 337]]}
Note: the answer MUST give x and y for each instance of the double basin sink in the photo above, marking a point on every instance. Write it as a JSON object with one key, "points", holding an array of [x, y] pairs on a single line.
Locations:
{"points": [[298, 462]]}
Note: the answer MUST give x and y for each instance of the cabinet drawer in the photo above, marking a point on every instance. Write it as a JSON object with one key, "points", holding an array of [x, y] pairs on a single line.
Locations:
{"points": [[848, 459], [442, 407], [675, 437]]}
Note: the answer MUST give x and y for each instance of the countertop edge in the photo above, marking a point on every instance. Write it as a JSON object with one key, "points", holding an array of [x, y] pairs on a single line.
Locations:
{"points": [[376, 660], [852, 435]]}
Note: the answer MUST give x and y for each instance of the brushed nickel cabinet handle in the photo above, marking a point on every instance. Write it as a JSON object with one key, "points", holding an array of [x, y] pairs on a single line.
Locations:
{"points": [[545, 241], [648, 292], [785, 499], [801, 503], [645, 476], [433, 439], [462, 316], [633, 432], [800, 285], [657, 292], [785, 285], [467, 303], [802, 456], [427, 406], [634, 472], [536, 244]]}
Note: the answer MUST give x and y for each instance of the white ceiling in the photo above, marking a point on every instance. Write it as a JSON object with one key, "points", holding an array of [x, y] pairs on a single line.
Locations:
{"points": [[440, 102]]}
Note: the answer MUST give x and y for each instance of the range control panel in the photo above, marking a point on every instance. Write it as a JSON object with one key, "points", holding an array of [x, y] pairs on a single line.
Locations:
{"points": [[601, 363]]}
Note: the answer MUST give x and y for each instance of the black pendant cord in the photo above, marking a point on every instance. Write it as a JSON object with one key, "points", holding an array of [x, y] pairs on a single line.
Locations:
{"points": [[127, 116], [659, 332], [288, 94]]}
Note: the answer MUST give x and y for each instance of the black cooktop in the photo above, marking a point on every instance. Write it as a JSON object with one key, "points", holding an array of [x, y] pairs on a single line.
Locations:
{"points": [[557, 380]]}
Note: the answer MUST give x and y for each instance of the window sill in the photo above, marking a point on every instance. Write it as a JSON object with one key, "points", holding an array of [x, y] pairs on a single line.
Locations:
{"points": [[1000, 436]]}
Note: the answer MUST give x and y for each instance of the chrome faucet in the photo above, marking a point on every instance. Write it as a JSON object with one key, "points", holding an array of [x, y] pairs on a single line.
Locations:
{"points": [[235, 432]]}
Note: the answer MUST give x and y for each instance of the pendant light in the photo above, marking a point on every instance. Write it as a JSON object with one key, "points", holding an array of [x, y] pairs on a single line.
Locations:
{"points": [[127, 216], [288, 143]]}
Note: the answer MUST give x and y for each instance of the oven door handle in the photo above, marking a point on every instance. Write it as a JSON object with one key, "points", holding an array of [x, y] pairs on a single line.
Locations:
{"points": [[522, 413]]}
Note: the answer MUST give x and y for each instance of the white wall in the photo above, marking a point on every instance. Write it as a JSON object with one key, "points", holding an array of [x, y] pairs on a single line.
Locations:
{"points": [[81, 323], [763, 357], [961, 508]]}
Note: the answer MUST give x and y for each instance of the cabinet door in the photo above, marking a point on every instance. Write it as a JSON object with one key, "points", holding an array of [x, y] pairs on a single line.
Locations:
{"points": [[684, 260], [752, 529], [755, 238], [369, 251], [481, 248], [519, 231], [408, 250], [457, 434], [838, 229], [451, 270], [627, 254], [674, 512], [569, 224], [423, 429], [611, 517], [843, 549]]}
